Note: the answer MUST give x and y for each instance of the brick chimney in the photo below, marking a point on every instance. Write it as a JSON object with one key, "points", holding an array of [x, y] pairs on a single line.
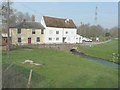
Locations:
{"points": [[33, 18]]}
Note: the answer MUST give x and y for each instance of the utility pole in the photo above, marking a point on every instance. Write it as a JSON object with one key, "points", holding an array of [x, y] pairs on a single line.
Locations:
{"points": [[8, 14], [96, 14]]}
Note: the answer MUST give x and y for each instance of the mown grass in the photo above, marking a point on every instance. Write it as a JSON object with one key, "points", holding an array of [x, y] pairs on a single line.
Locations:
{"points": [[104, 51], [62, 70]]}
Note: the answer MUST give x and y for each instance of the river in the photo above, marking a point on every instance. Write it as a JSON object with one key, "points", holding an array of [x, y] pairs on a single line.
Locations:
{"points": [[99, 60]]}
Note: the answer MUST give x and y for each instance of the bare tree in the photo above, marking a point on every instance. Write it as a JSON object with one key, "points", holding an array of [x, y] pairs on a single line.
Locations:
{"points": [[90, 31], [6, 12], [114, 32]]}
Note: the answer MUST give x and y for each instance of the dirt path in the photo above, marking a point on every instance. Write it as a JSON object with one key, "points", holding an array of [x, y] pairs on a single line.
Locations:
{"points": [[94, 43]]}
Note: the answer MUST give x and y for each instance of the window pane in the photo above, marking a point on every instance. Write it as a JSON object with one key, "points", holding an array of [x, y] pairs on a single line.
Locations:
{"points": [[50, 38], [57, 32], [19, 30], [57, 38], [42, 31], [33, 31], [50, 31], [66, 32], [38, 39], [19, 39]]}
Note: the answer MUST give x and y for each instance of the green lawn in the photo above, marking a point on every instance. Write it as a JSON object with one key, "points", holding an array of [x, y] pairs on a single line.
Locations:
{"points": [[61, 70], [104, 51]]}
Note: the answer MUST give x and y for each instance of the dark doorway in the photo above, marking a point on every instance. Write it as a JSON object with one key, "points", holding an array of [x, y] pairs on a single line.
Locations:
{"points": [[64, 39]]}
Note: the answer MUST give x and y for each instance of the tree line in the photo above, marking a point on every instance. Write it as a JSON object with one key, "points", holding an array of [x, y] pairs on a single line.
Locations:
{"points": [[14, 15], [93, 31]]}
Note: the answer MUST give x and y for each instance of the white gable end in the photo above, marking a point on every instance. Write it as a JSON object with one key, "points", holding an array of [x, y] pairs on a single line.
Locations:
{"points": [[59, 35]]}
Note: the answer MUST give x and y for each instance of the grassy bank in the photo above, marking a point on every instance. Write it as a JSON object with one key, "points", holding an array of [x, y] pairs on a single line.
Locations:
{"points": [[104, 51], [60, 69]]}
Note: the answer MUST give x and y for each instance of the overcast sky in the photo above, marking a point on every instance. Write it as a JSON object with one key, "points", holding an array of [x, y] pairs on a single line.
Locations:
{"points": [[78, 11]]}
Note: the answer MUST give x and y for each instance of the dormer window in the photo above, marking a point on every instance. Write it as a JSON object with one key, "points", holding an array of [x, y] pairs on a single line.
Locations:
{"points": [[67, 20], [33, 31]]}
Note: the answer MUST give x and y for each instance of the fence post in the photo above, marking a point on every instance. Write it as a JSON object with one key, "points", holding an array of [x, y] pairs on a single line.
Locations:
{"points": [[29, 80]]}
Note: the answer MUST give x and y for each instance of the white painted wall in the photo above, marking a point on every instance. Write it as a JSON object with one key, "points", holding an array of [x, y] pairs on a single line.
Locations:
{"points": [[50, 32], [70, 34], [79, 39]]}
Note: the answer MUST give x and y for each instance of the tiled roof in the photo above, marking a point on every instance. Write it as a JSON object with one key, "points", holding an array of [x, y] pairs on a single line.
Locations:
{"points": [[59, 22], [25, 24]]}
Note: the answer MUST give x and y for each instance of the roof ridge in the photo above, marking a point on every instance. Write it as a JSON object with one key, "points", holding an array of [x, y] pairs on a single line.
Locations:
{"points": [[57, 17], [27, 25]]}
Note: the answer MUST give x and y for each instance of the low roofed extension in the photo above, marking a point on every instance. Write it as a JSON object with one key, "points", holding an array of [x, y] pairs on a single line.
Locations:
{"points": [[59, 22]]}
